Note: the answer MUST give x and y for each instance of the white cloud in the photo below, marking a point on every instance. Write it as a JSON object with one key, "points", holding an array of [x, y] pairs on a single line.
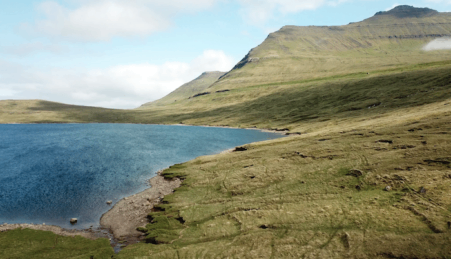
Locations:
{"points": [[124, 86], [101, 20], [438, 44], [259, 11], [32, 48]]}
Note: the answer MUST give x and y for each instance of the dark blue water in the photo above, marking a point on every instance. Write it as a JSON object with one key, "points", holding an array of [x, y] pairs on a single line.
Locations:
{"points": [[50, 173]]}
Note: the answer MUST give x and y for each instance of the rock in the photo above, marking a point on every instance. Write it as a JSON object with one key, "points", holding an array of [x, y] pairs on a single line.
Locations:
{"points": [[422, 190], [387, 188], [264, 226], [345, 238], [43, 224], [109, 202], [355, 173], [239, 149], [73, 220], [358, 187]]}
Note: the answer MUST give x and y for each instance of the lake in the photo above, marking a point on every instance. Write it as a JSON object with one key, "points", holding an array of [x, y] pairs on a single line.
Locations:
{"points": [[50, 173]]}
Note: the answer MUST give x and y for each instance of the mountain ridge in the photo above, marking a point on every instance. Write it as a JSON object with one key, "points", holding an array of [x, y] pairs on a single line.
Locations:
{"points": [[188, 89], [403, 11]]}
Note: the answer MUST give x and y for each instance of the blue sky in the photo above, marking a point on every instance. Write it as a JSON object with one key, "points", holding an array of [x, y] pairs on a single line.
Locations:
{"points": [[122, 53]]}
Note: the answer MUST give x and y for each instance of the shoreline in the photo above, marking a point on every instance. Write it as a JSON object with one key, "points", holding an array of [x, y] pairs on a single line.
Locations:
{"points": [[279, 131], [131, 212], [121, 221], [86, 233]]}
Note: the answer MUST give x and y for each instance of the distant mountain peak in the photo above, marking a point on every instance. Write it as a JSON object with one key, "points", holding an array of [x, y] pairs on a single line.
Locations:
{"points": [[407, 11]]}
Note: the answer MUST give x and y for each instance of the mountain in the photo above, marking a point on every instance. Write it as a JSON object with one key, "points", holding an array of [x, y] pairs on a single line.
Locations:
{"points": [[297, 58], [387, 40], [189, 89]]}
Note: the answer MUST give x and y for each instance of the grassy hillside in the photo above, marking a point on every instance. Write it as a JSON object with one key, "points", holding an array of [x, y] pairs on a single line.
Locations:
{"points": [[27, 243], [299, 106], [198, 85], [321, 195], [369, 177], [40, 111]]}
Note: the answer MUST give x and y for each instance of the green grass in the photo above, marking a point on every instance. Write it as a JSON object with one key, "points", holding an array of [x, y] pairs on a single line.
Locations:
{"points": [[295, 197], [27, 243]]}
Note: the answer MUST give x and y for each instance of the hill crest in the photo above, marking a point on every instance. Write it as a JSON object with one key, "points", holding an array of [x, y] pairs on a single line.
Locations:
{"points": [[407, 11]]}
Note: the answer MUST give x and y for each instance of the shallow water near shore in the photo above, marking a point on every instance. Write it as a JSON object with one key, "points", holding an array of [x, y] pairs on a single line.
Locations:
{"points": [[50, 173]]}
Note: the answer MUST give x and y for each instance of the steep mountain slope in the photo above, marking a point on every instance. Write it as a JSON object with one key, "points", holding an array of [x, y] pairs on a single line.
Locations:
{"points": [[189, 89], [387, 40]]}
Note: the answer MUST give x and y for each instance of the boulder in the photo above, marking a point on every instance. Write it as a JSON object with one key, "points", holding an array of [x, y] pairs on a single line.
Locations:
{"points": [[73, 220], [109, 202]]}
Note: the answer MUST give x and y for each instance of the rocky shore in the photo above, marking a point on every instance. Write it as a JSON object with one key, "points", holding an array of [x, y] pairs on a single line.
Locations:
{"points": [[131, 212], [121, 220]]}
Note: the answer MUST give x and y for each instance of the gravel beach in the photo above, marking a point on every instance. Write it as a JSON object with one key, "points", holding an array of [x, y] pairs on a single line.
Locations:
{"points": [[131, 212]]}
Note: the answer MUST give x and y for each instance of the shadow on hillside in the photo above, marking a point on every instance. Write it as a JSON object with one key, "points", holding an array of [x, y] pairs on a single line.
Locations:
{"points": [[353, 98]]}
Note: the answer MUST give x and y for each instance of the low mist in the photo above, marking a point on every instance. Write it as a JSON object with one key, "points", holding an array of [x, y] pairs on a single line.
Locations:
{"points": [[438, 44]]}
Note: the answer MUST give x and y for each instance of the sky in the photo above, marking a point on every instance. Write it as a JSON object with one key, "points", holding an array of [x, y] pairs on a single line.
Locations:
{"points": [[123, 53]]}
